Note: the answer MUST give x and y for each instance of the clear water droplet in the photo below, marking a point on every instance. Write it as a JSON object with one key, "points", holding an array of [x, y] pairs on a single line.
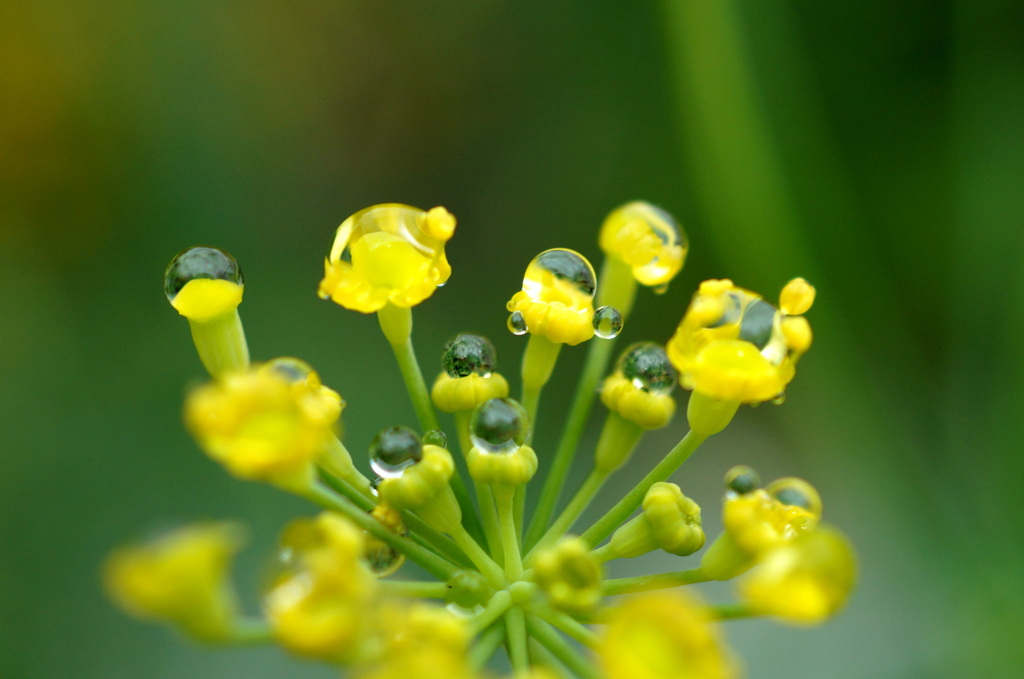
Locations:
{"points": [[500, 426], [382, 558], [467, 354], [647, 366], [394, 450], [435, 437], [607, 322], [375, 485], [780, 399], [556, 268], [660, 289], [292, 370], [742, 479], [517, 323], [795, 493], [199, 262]]}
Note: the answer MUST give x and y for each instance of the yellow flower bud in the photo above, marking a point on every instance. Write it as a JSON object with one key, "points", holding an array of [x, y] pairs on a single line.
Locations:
{"points": [[569, 575], [764, 518], [557, 300], [205, 286], [670, 521], [668, 635], [419, 640], [499, 430], [319, 606], [261, 426], [180, 577], [797, 297], [804, 581], [468, 378], [648, 239], [732, 346], [640, 389], [423, 488], [388, 253]]}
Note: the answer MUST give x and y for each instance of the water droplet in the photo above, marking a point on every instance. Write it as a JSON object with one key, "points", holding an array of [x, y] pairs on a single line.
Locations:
{"points": [[796, 493], [517, 324], [466, 354], [375, 485], [500, 425], [292, 370], [741, 480], [779, 400], [660, 289], [607, 322], [394, 450], [199, 262], [435, 437], [647, 366], [323, 295], [383, 559], [558, 268]]}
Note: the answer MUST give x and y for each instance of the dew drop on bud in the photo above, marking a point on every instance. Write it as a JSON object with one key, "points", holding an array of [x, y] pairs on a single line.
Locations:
{"points": [[646, 365], [291, 370], [375, 485], [199, 262], [394, 450], [742, 480], [607, 322], [795, 493], [500, 425], [467, 354], [517, 323], [435, 437], [779, 400]]}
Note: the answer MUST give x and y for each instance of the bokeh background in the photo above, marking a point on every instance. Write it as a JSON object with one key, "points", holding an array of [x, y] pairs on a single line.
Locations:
{"points": [[876, 148]]}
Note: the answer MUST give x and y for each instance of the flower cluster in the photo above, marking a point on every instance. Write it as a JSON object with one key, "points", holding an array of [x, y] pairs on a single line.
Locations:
{"points": [[531, 582]]}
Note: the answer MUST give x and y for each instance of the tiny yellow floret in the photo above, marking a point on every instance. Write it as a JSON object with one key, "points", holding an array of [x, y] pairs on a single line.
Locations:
{"points": [[557, 298], [180, 577], [419, 640], [805, 581], [667, 635], [647, 409], [569, 575], [797, 297], [647, 239], [389, 253], [321, 604], [733, 346], [261, 426]]}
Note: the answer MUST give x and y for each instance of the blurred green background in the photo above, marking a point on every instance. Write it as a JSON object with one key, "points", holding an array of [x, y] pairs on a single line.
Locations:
{"points": [[876, 148]]}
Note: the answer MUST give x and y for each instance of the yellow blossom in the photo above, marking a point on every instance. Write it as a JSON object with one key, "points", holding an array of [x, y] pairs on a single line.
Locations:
{"points": [[319, 605], [733, 346], [389, 253], [469, 378], [569, 575], [667, 635], [500, 456], [262, 426], [557, 299], [766, 517], [646, 238], [804, 581], [419, 640], [640, 389], [181, 577]]}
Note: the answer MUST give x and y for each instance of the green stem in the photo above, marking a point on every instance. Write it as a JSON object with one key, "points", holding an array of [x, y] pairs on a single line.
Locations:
{"points": [[733, 611], [490, 570], [419, 531], [566, 624], [515, 626], [250, 632], [488, 512], [486, 646], [572, 511], [509, 540], [414, 588], [496, 607], [573, 660], [607, 524], [396, 323], [604, 553], [598, 354], [540, 655], [645, 583], [430, 562]]}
